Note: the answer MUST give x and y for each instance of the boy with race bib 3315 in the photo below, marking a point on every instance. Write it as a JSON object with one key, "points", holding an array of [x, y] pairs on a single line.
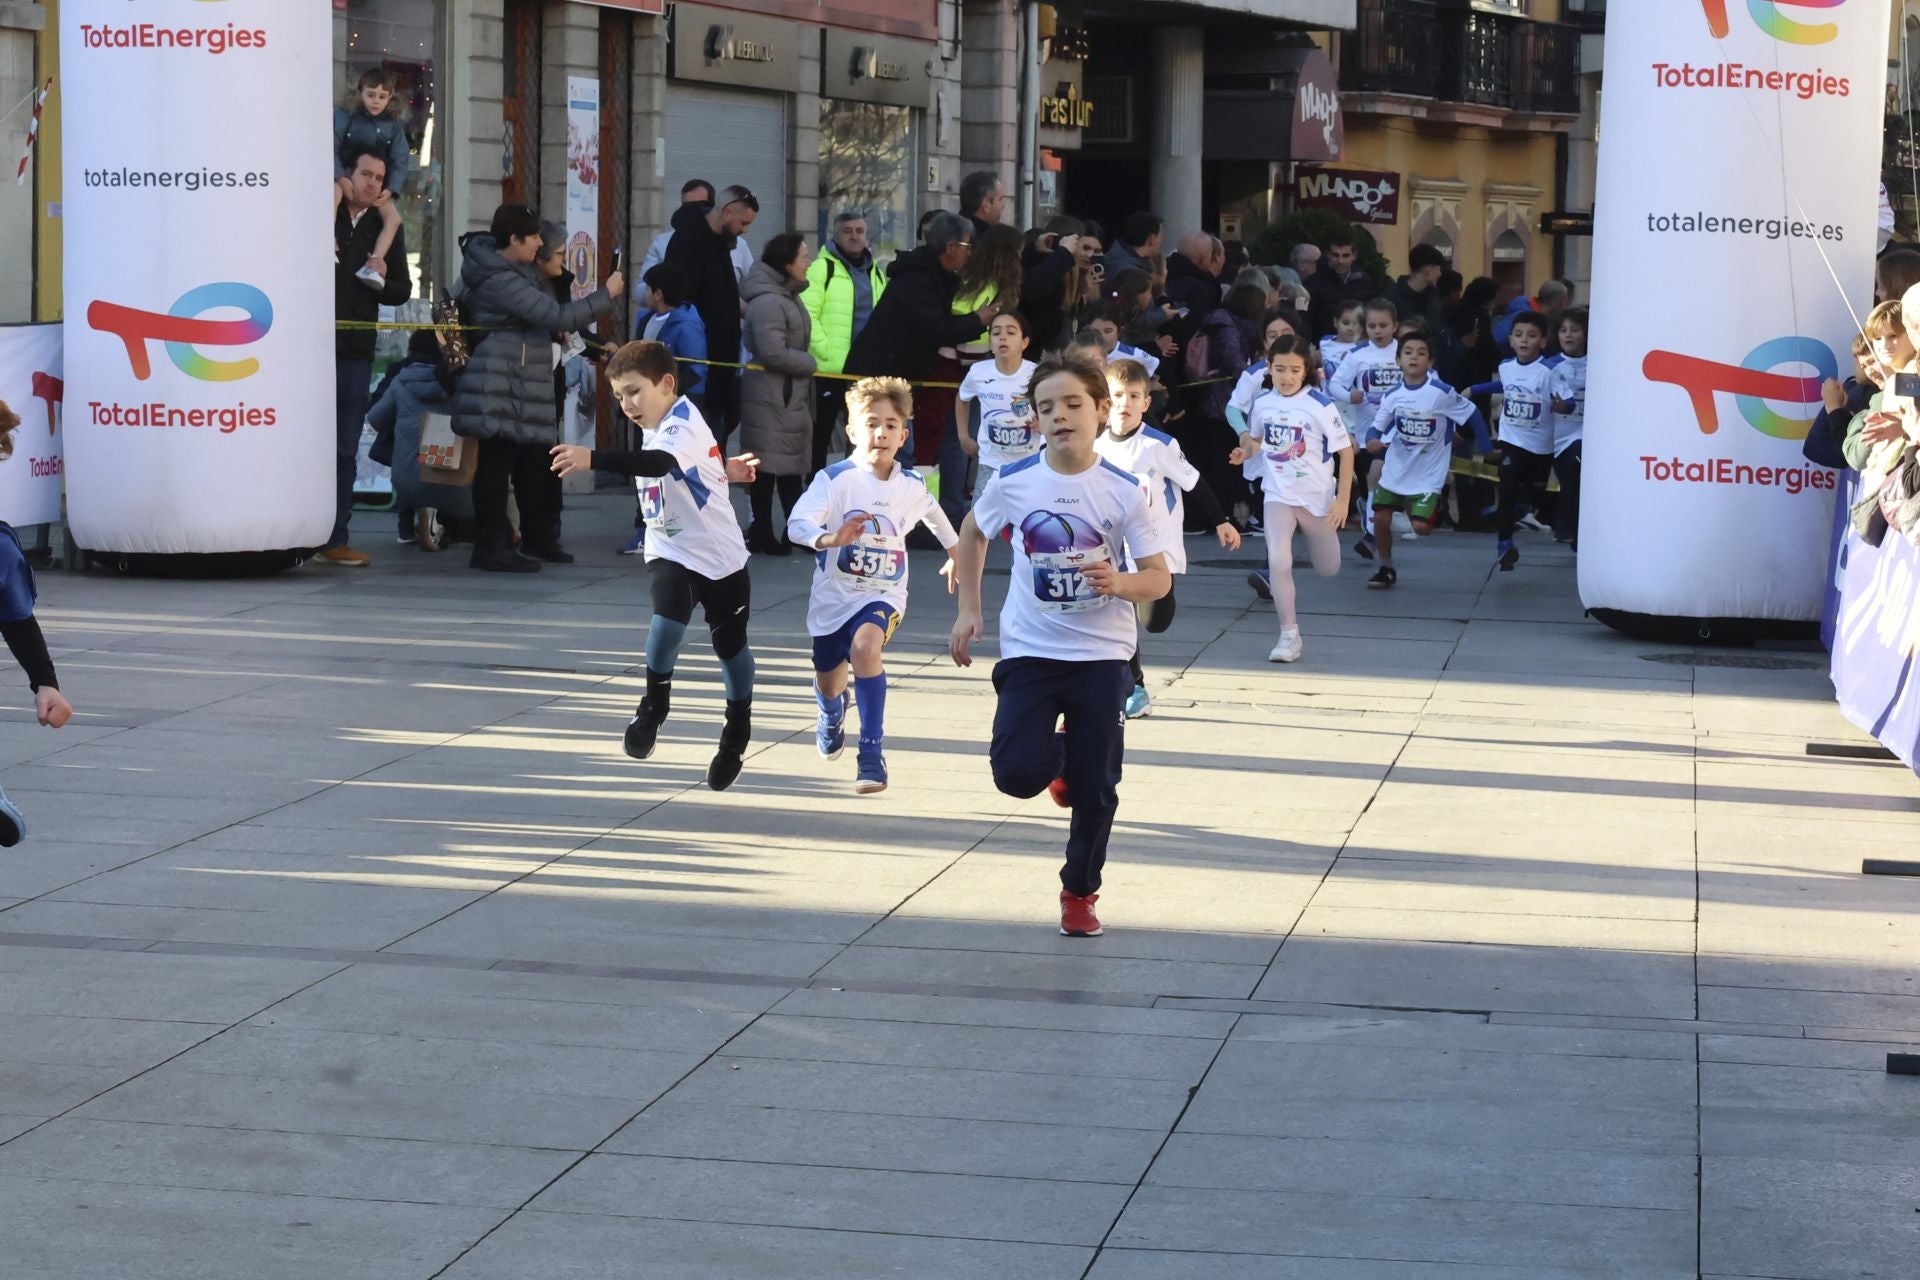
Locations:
{"points": [[695, 551], [855, 517], [1298, 433], [1068, 626]]}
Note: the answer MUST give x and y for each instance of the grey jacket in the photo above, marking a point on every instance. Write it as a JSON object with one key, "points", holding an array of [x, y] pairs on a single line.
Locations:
{"points": [[507, 390], [776, 406]]}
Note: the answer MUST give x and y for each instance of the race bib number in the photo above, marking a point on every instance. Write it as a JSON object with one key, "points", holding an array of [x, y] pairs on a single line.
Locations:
{"points": [[1060, 581], [875, 563], [1285, 443], [653, 499], [1379, 380], [1522, 410], [1010, 428], [1417, 430]]}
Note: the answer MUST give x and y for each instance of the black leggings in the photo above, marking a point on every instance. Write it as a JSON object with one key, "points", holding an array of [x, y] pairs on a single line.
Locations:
{"points": [[760, 500], [1156, 616], [725, 601], [1519, 468]]}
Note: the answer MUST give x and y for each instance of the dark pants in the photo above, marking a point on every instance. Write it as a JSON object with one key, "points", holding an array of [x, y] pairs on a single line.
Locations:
{"points": [[527, 467], [829, 411], [727, 603], [721, 399], [1027, 754], [1519, 469], [1566, 517], [760, 502], [352, 389]]}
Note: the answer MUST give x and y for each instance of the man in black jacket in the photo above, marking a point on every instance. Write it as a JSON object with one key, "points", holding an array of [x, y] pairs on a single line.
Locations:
{"points": [[1193, 280], [1416, 295], [914, 317], [354, 234], [1339, 280], [702, 246]]}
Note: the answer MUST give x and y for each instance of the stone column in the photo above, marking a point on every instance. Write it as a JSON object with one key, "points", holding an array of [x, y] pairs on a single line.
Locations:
{"points": [[1179, 62], [569, 46], [990, 88], [803, 168], [472, 80], [651, 203]]}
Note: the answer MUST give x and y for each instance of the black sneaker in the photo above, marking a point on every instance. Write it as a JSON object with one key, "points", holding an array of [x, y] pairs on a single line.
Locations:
{"points": [[549, 553], [643, 733], [1365, 548], [1509, 556], [1383, 578], [1260, 584]]}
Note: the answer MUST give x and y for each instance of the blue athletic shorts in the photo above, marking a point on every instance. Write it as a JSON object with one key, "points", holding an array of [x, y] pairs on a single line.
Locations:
{"points": [[832, 649]]}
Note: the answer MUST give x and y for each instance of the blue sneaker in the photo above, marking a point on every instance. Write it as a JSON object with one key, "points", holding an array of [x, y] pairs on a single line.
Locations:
{"points": [[1138, 702], [636, 545], [1509, 555], [830, 735], [873, 771], [13, 823], [1261, 580]]}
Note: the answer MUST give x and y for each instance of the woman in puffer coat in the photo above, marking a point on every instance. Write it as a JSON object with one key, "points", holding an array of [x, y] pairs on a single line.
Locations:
{"points": [[505, 398], [776, 403]]}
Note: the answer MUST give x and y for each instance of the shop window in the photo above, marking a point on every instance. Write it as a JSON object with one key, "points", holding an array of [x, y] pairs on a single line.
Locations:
{"points": [[406, 38], [868, 161]]}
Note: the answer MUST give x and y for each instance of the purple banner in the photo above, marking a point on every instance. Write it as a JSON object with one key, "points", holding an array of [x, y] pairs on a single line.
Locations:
{"points": [[1876, 635]]}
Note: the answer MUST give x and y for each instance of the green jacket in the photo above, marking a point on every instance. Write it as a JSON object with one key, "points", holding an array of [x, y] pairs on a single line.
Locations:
{"points": [[829, 302]]}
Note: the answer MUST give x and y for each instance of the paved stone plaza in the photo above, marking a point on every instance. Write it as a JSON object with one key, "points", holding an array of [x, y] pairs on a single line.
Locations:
{"points": [[1484, 944]]}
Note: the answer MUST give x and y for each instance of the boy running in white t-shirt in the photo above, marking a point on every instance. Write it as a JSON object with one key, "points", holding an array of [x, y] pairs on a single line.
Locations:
{"points": [[1296, 430], [1569, 421], [1165, 474], [855, 518], [1523, 443], [1068, 627], [695, 551], [999, 428], [1412, 436], [1349, 332]]}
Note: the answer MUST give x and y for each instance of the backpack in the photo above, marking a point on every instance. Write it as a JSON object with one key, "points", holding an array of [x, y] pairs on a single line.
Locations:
{"points": [[1199, 356]]}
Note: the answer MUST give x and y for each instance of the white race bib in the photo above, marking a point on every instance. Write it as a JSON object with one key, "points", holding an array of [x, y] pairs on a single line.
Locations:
{"points": [[877, 563], [1059, 580]]}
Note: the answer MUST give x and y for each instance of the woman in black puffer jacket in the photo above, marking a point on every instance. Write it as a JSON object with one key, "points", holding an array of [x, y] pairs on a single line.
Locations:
{"points": [[505, 399]]}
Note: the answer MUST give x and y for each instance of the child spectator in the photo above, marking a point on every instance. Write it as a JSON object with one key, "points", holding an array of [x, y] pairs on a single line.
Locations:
{"points": [[1104, 319], [1523, 444], [1415, 452], [998, 426], [1164, 474], [671, 320], [697, 554], [1883, 424], [375, 120], [1066, 630], [1298, 434], [1840, 404], [22, 633], [1570, 414], [855, 517]]}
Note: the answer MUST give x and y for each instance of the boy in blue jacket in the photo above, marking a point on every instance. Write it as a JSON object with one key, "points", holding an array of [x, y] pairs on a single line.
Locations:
{"points": [[672, 321]]}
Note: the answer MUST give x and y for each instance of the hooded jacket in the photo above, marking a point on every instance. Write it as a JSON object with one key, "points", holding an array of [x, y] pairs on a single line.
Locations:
{"points": [[707, 258], [912, 321], [776, 404], [831, 301], [507, 390]]}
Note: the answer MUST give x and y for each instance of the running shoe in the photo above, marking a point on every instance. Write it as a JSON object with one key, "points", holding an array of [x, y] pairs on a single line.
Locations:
{"points": [[1261, 580], [1139, 702], [636, 545], [830, 735], [1384, 578], [1058, 790], [643, 733], [1076, 916], [1531, 521], [1365, 548], [370, 278], [873, 771], [13, 823], [1509, 556], [1290, 647]]}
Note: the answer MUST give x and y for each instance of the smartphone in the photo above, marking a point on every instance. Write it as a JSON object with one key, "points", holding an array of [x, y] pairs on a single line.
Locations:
{"points": [[1907, 384], [1099, 269], [619, 262]]}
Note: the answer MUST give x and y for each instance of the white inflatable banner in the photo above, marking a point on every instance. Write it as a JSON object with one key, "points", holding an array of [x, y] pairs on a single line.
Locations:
{"points": [[1739, 161], [199, 275], [31, 385]]}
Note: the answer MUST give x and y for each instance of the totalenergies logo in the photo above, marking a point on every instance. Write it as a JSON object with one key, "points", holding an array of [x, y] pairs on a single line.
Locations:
{"points": [[183, 330], [1767, 16], [1756, 384]]}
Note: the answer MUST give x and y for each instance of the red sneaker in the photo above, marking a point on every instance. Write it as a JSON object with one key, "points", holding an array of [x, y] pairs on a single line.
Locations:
{"points": [[1058, 790], [1076, 916]]}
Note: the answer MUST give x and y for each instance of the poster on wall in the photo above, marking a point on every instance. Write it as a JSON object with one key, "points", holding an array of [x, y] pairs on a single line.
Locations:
{"points": [[1696, 502], [33, 386], [583, 183], [198, 276]]}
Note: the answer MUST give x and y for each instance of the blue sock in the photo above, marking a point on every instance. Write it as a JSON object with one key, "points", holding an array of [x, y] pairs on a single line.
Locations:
{"points": [[834, 708], [737, 674], [664, 636], [870, 692]]}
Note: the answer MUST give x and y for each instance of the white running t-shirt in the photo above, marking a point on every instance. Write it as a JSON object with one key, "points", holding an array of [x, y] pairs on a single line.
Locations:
{"points": [[1526, 404], [1412, 421], [689, 519], [1164, 473], [1006, 415], [1299, 436], [874, 569], [1570, 383]]}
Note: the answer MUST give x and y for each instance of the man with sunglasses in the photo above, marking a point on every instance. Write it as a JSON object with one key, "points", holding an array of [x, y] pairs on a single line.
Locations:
{"points": [[704, 236]]}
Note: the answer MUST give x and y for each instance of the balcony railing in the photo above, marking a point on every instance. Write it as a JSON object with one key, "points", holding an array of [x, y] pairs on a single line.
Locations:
{"points": [[1420, 49]]}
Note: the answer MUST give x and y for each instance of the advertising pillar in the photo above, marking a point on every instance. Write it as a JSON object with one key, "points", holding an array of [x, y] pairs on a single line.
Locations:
{"points": [[1734, 246], [198, 274]]}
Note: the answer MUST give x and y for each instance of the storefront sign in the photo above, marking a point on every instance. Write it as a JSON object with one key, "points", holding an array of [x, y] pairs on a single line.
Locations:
{"points": [[1064, 109], [858, 66], [33, 386], [1358, 195], [728, 46], [199, 365], [583, 183], [1696, 414], [1319, 129]]}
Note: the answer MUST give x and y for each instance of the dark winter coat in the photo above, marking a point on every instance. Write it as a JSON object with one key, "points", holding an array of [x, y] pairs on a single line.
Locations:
{"points": [[707, 258], [1193, 288], [1043, 296], [382, 134], [776, 405], [395, 417], [912, 320], [1423, 307], [352, 300], [507, 391], [1327, 292]]}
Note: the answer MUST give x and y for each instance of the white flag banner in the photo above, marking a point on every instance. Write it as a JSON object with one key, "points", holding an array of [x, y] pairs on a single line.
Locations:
{"points": [[32, 386], [199, 275], [1733, 248]]}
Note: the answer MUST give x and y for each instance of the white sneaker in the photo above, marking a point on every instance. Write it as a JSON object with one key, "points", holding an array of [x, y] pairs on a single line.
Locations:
{"points": [[1289, 649], [1531, 521], [1402, 526]]}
